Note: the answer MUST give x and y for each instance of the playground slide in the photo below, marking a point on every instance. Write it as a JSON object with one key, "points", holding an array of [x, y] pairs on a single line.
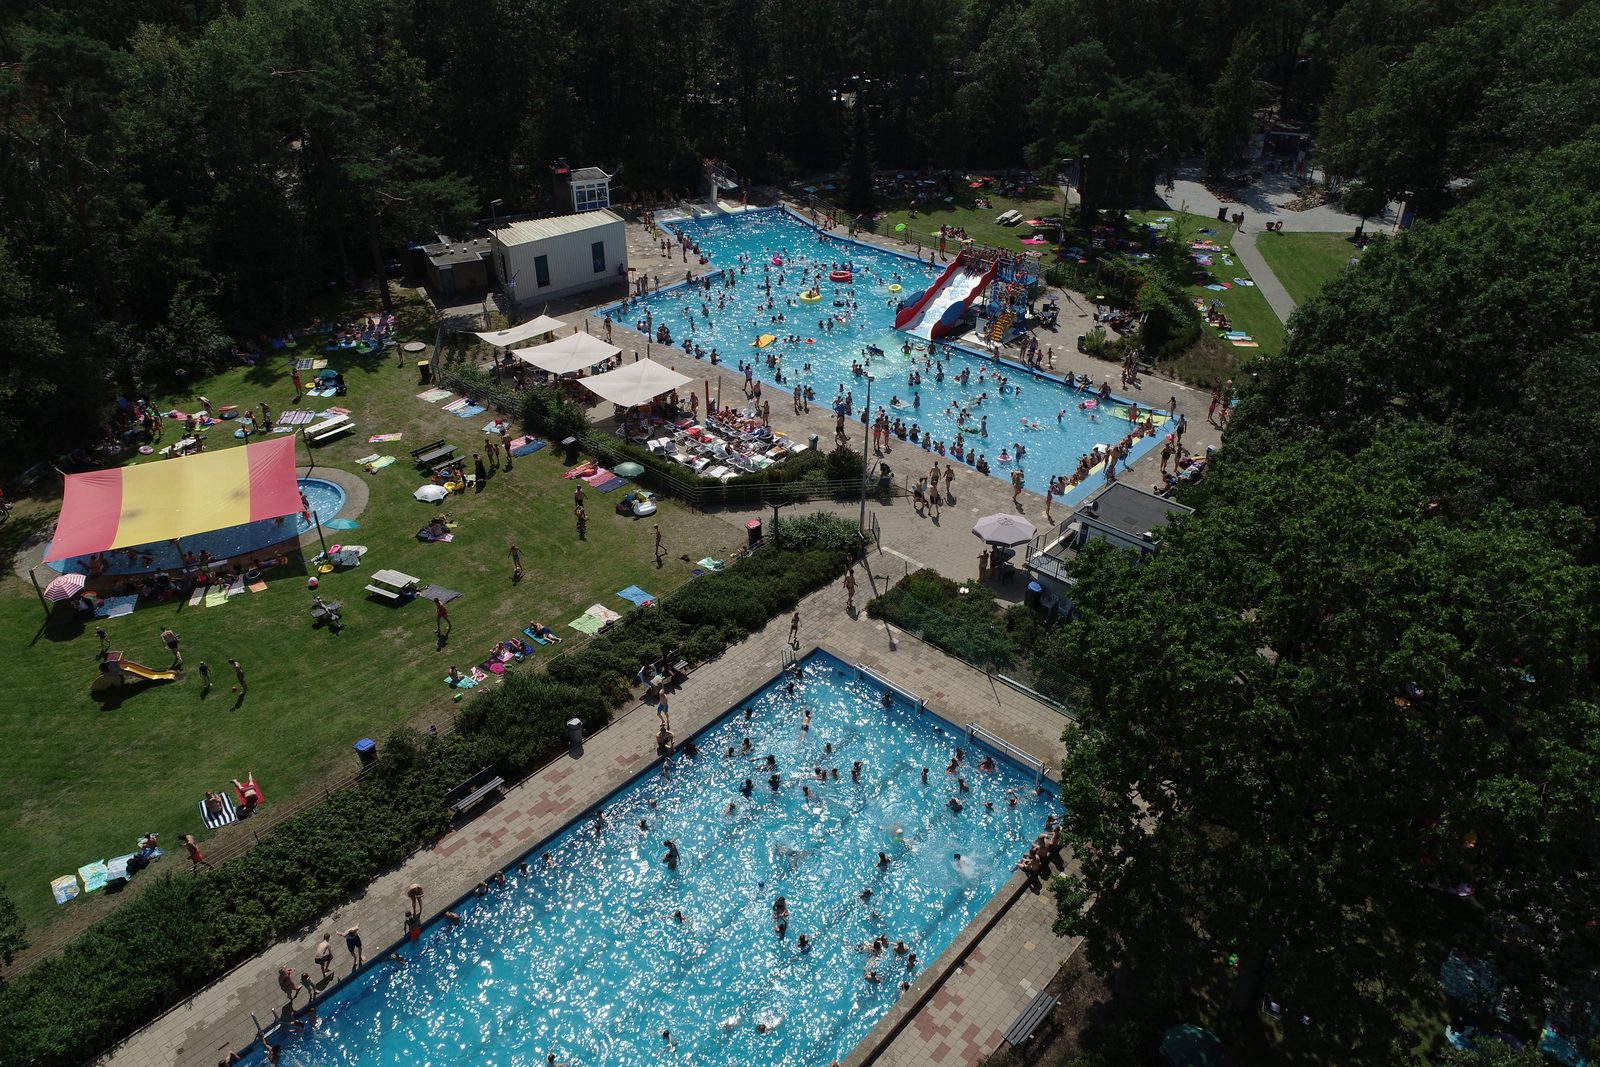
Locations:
{"points": [[140, 670], [945, 303]]}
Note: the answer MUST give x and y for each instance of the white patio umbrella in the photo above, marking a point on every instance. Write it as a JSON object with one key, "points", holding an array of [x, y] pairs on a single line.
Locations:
{"points": [[431, 493], [64, 588], [1004, 529]]}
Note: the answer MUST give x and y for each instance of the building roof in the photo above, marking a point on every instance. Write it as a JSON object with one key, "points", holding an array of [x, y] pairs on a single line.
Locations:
{"points": [[449, 253], [589, 174], [1130, 510], [520, 233]]}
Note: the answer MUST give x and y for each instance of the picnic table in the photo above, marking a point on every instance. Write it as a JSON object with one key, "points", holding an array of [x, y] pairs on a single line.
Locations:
{"points": [[392, 585]]}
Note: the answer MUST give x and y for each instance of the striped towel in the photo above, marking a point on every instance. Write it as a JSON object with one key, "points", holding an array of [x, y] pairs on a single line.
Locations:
{"points": [[227, 815]]}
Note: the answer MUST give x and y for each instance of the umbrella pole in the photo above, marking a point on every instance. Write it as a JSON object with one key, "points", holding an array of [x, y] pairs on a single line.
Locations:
{"points": [[42, 601], [318, 520]]}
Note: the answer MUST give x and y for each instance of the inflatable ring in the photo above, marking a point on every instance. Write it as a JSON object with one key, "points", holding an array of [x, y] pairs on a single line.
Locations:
{"points": [[841, 276], [809, 297], [895, 288]]}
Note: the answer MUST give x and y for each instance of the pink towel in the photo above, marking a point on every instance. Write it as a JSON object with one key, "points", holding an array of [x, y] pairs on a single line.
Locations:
{"points": [[599, 477]]}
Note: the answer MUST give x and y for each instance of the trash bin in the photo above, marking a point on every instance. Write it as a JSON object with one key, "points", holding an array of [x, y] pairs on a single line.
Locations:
{"points": [[571, 445], [424, 372], [1222, 213], [575, 731], [813, 441], [367, 750], [753, 528], [1035, 594]]}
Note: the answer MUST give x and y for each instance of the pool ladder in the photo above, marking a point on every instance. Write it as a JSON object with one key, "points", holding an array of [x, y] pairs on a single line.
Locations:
{"points": [[1033, 763]]}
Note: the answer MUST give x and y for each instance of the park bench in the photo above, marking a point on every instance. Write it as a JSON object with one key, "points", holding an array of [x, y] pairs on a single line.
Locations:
{"points": [[677, 665], [472, 792], [1032, 1017], [434, 455], [317, 432], [387, 594]]}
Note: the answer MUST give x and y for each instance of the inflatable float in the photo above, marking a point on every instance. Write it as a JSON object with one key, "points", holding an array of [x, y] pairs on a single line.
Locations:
{"points": [[841, 276], [810, 297]]}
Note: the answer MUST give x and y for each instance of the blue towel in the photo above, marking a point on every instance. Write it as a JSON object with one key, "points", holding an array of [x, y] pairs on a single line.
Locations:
{"points": [[636, 595], [528, 449], [466, 682], [342, 524], [471, 410], [610, 484], [528, 630], [114, 606]]}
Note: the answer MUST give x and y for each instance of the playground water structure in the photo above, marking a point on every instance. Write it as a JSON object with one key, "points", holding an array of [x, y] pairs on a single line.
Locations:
{"points": [[1055, 424], [583, 954], [937, 312], [326, 500]]}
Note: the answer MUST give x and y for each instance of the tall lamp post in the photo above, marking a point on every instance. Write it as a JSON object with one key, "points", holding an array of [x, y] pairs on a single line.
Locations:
{"points": [[866, 428]]}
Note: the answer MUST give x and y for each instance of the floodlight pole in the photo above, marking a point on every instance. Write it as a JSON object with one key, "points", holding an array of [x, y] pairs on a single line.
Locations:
{"points": [[866, 429]]}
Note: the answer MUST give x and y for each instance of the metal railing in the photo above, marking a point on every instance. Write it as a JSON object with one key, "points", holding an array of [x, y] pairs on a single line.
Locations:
{"points": [[900, 691], [995, 741]]}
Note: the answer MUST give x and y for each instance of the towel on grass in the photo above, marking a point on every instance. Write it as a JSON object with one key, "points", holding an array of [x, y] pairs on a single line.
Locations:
{"points": [[587, 624], [375, 464], [456, 405], [478, 676], [93, 875], [216, 595], [535, 638], [603, 613], [222, 818], [113, 607], [117, 869], [257, 586], [493, 666], [529, 446], [493, 425], [293, 417], [302, 364], [636, 595], [610, 484], [1245, 344], [465, 683], [433, 396], [711, 564], [471, 410], [379, 438], [598, 475], [439, 592], [64, 888], [197, 596]]}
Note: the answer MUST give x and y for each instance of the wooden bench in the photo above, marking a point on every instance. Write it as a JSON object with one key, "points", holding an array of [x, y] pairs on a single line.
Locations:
{"points": [[387, 594], [677, 666], [1032, 1017], [472, 792], [317, 432]]}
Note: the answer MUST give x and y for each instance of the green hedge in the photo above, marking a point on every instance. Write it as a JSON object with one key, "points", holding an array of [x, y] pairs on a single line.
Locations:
{"points": [[182, 932]]}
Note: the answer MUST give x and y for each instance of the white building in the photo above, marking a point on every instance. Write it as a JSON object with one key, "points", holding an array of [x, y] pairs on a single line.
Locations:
{"points": [[540, 259]]}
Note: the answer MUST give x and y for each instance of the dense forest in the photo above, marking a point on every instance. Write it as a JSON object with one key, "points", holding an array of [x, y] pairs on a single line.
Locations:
{"points": [[1359, 681], [180, 173]]}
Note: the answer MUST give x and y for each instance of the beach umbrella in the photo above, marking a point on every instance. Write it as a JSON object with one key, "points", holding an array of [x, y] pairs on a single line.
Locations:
{"points": [[629, 469], [1192, 1046], [431, 493], [64, 588], [1004, 529]]}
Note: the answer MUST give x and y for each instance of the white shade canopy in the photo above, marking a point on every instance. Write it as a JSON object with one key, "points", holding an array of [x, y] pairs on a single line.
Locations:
{"points": [[568, 354], [521, 332], [635, 383]]}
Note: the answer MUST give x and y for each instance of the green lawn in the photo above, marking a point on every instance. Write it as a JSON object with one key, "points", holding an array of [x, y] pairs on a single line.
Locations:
{"points": [[80, 781], [1305, 262], [980, 225]]}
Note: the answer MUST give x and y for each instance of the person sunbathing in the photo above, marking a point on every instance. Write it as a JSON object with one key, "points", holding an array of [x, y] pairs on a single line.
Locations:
{"points": [[517, 646], [543, 632], [249, 793], [455, 677], [213, 803]]}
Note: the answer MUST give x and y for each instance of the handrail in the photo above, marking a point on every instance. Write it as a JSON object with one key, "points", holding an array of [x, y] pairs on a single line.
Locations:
{"points": [[885, 683], [995, 741]]}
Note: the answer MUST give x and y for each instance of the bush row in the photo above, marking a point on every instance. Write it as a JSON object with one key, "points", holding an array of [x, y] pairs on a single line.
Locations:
{"points": [[182, 932]]}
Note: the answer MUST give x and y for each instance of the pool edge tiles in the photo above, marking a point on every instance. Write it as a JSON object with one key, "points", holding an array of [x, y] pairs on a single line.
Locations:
{"points": [[540, 904]]}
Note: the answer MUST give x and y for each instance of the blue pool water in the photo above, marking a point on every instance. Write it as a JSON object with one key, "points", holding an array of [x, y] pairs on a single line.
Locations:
{"points": [[583, 957], [325, 498], [1065, 431]]}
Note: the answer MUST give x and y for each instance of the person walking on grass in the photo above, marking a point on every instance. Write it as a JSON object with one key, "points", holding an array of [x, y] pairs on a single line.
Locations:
{"points": [[505, 444], [105, 639], [516, 564], [492, 446], [441, 619], [205, 677], [582, 518], [478, 470], [299, 389], [196, 858], [238, 672], [660, 551]]}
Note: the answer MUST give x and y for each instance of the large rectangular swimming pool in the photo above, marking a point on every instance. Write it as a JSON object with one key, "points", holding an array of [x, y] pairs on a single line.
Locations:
{"points": [[585, 954], [830, 337]]}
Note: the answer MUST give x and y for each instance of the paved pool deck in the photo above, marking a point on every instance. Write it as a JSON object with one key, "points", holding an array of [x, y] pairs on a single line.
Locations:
{"points": [[960, 1023]]}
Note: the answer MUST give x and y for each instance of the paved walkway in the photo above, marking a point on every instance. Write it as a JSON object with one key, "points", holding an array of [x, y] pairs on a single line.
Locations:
{"points": [[1244, 246], [962, 1020], [1265, 202]]}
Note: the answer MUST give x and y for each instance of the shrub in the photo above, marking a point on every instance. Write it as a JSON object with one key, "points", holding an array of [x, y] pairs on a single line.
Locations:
{"points": [[1171, 323]]}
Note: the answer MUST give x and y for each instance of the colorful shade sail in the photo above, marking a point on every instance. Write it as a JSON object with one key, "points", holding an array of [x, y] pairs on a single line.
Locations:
{"points": [[149, 502]]}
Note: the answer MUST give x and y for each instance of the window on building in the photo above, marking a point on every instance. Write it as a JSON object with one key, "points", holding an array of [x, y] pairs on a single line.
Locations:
{"points": [[598, 250], [541, 270], [589, 196]]}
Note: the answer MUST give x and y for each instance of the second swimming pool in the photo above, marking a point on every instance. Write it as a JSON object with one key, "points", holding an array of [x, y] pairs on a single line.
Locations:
{"points": [[585, 955]]}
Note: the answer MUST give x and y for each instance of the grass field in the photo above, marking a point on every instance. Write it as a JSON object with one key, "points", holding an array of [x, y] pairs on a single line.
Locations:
{"points": [[1305, 262], [80, 781]]}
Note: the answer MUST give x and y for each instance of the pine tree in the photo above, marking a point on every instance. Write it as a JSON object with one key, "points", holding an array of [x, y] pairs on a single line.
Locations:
{"points": [[860, 193]]}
